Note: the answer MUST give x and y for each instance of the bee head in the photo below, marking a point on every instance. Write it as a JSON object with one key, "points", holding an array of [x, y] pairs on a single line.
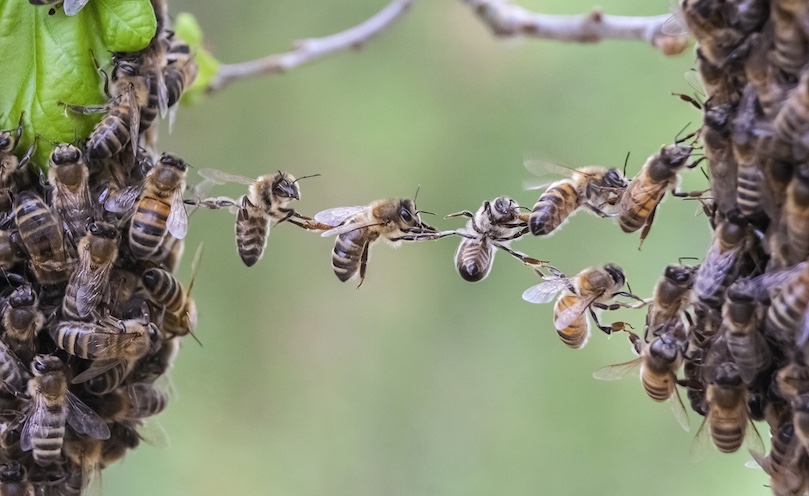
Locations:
{"points": [[286, 186], [124, 65], [613, 178], [503, 208], [24, 296], [12, 472], [616, 273], [408, 213], [44, 364], [170, 160], [680, 275], [65, 154], [727, 374], [103, 230], [665, 346], [6, 142]]}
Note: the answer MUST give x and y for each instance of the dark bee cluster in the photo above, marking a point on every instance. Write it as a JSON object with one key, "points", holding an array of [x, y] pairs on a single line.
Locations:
{"points": [[92, 315]]}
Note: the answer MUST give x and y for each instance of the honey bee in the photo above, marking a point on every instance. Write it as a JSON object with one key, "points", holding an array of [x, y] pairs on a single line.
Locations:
{"points": [[796, 215], [644, 193], [156, 364], [769, 94], [125, 292], [85, 454], [160, 206], [800, 418], [127, 95], [672, 295], [145, 400], [750, 178], [110, 379], [721, 263], [179, 311], [790, 49], [715, 134], [592, 187], [660, 359], [69, 175], [89, 283], [169, 253], [53, 406], [266, 201], [495, 225], [123, 437], [786, 462], [692, 380], [788, 309], [12, 373], [9, 163], [9, 252], [741, 316], [71, 7], [792, 123], [106, 342], [357, 228], [41, 235], [12, 480], [590, 290], [180, 72], [727, 419], [22, 321]]}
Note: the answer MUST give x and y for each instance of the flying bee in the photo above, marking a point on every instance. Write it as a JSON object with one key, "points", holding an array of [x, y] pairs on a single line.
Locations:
{"points": [[721, 263], [786, 462], [495, 225], [672, 295], [69, 175], [71, 7], [660, 359], [741, 315], [267, 200], [127, 95], [179, 311], [52, 406], [592, 187], [590, 290], [12, 480], [645, 191], [41, 235], [727, 419], [357, 228], [89, 283], [22, 321], [158, 203]]}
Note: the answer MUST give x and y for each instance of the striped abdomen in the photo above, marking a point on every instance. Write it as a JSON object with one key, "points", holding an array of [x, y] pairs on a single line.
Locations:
{"points": [[11, 372], [796, 216], [146, 400], [148, 226], [110, 379], [164, 289], [658, 384], [473, 259], [576, 333], [110, 135], [41, 235], [638, 201], [552, 208], [346, 257], [252, 231], [748, 188], [728, 425], [788, 306], [148, 112], [48, 435]]}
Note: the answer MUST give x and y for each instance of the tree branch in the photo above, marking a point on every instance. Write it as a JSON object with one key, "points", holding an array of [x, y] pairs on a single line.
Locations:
{"points": [[311, 48], [507, 20]]}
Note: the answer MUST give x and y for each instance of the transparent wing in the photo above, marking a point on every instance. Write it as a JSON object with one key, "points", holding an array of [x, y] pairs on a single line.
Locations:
{"points": [[571, 313], [90, 291], [124, 199], [177, 222], [774, 280], [153, 433], [83, 420], [803, 334], [338, 215], [33, 423], [702, 441], [162, 91], [351, 226], [544, 292], [710, 275], [73, 7], [675, 25], [95, 369], [134, 121], [678, 408], [752, 440], [618, 370], [222, 177], [544, 171]]}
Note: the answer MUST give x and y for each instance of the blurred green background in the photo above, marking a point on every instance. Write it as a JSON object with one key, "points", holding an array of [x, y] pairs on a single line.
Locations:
{"points": [[420, 383]]}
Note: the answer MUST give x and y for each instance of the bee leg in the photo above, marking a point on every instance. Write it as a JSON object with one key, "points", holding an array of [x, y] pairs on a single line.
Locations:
{"points": [[647, 227], [596, 210], [530, 261], [363, 263], [690, 194], [462, 213], [641, 302], [614, 327], [18, 135], [95, 109], [27, 157]]}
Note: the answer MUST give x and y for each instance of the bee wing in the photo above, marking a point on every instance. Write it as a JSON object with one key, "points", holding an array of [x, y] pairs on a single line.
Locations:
{"points": [[571, 313], [338, 215], [544, 292], [752, 440], [675, 25], [83, 420], [134, 121], [177, 222], [222, 177], [95, 369], [73, 7], [124, 199], [153, 433], [702, 441], [89, 293], [678, 408], [617, 371], [35, 419], [715, 264], [542, 169], [162, 91], [351, 226]]}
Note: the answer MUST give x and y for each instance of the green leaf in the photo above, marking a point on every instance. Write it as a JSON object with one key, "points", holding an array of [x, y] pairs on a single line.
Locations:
{"points": [[187, 29], [48, 58]]}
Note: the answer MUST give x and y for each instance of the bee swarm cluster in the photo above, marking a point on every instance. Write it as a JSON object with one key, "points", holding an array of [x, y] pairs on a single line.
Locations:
{"points": [[91, 313]]}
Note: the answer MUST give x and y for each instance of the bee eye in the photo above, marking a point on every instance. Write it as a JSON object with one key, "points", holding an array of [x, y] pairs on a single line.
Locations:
{"points": [[406, 215], [40, 366]]}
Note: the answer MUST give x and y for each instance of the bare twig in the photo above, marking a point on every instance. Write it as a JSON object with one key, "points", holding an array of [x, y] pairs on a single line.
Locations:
{"points": [[312, 48], [508, 20]]}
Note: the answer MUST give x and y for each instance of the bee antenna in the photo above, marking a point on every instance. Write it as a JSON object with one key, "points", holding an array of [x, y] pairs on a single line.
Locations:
{"points": [[424, 212], [677, 139], [416, 196], [49, 141], [626, 161], [304, 177], [680, 260]]}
